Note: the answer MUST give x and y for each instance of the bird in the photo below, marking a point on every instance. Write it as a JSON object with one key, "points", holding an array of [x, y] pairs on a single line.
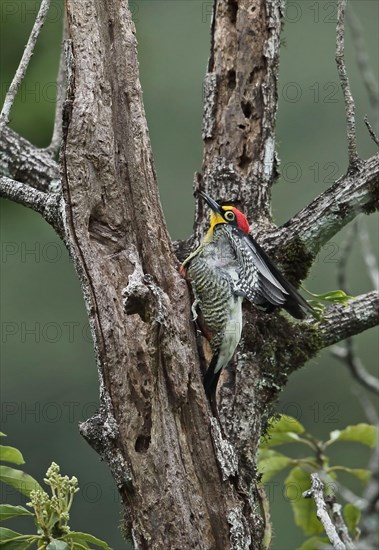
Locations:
{"points": [[228, 267]]}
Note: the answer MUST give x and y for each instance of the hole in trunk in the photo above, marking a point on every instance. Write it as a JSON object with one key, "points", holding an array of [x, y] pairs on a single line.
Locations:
{"points": [[142, 443], [232, 11], [246, 108], [231, 79]]}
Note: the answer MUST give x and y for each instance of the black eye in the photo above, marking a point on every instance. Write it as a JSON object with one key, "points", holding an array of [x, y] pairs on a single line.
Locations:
{"points": [[229, 216]]}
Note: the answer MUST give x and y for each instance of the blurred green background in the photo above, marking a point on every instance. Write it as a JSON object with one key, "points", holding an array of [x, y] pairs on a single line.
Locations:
{"points": [[48, 372]]}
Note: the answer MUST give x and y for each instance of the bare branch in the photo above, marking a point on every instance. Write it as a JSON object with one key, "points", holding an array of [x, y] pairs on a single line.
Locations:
{"points": [[345, 251], [367, 406], [56, 139], [20, 160], [316, 491], [368, 255], [333, 209], [340, 524], [20, 73], [345, 85], [342, 321], [358, 371], [371, 494], [46, 204], [362, 58], [374, 137], [347, 353], [348, 496]]}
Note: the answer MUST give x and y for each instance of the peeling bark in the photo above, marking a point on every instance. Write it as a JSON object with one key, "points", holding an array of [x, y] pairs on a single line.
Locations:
{"points": [[240, 103], [153, 426], [20, 160]]}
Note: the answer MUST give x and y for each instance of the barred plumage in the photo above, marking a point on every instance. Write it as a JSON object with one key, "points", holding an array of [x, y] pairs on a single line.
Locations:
{"points": [[227, 267]]}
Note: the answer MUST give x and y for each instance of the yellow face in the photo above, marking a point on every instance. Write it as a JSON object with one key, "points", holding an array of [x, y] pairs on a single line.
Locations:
{"points": [[215, 219]]}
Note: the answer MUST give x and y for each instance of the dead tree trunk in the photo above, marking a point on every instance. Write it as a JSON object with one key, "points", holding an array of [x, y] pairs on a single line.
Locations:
{"points": [[184, 482]]}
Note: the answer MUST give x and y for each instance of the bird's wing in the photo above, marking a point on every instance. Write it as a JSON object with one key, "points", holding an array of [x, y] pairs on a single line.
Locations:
{"points": [[260, 279]]}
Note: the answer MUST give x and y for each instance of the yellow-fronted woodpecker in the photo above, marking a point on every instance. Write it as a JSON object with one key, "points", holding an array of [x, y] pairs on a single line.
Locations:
{"points": [[227, 267]]}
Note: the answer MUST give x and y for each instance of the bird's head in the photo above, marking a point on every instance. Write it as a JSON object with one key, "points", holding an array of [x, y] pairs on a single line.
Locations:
{"points": [[225, 214]]}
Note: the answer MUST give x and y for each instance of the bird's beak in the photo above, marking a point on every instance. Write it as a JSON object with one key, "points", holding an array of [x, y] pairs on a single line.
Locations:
{"points": [[213, 204]]}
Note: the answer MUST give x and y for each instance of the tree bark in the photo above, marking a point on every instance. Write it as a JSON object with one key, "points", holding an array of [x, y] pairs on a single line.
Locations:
{"points": [[153, 427], [187, 479]]}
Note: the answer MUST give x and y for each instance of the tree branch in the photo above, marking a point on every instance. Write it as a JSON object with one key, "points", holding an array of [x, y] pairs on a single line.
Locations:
{"points": [[346, 352], [342, 321], [368, 255], [327, 214], [46, 204], [345, 85], [356, 367], [370, 129], [20, 73], [20, 160], [316, 491], [56, 139], [362, 58]]}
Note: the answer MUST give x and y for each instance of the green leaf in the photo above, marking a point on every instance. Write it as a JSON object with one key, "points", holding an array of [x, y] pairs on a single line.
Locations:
{"points": [[56, 544], [79, 545], [271, 463], [360, 473], [282, 438], [286, 424], [6, 534], [83, 538], [8, 511], [331, 296], [335, 296], [2, 434], [304, 510], [284, 430], [17, 544], [11, 454], [24, 483], [352, 517], [314, 543], [366, 434], [10, 540]]}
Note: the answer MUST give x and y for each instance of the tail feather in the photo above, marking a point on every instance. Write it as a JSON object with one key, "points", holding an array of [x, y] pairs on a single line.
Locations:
{"points": [[211, 378]]}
